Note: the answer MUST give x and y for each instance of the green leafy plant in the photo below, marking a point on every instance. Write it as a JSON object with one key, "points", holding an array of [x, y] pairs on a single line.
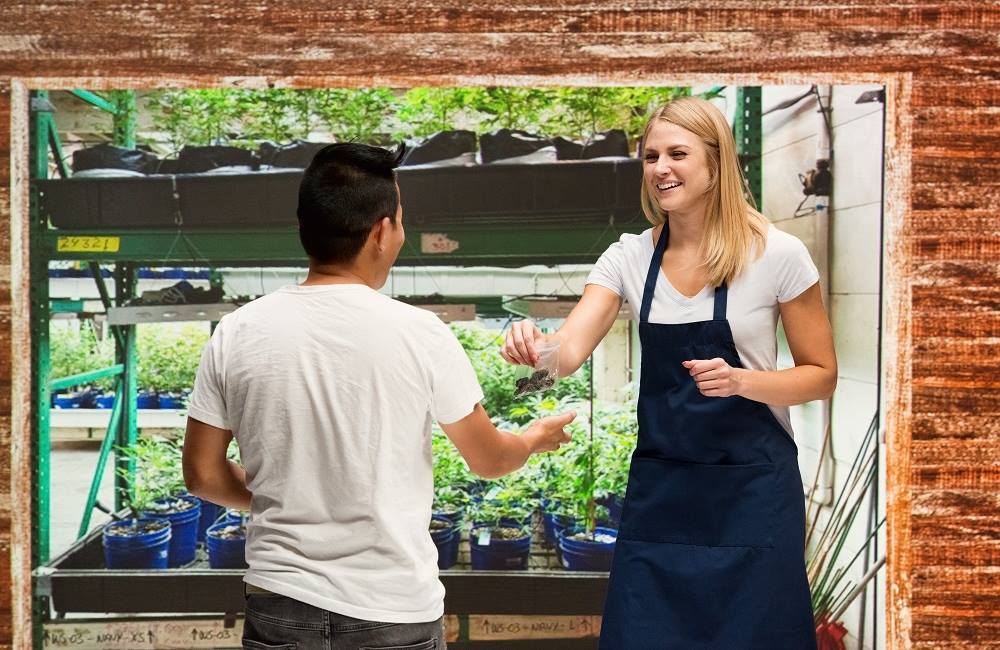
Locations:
{"points": [[583, 112], [73, 351], [278, 115], [169, 357], [638, 102], [616, 429], [198, 117], [425, 111], [505, 502], [451, 474], [157, 472], [831, 590], [510, 107], [355, 114]]}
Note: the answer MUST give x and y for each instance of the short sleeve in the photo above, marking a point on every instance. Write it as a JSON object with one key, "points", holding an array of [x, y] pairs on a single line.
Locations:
{"points": [[796, 269], [455, 388], [607, 272], [208, 402]]}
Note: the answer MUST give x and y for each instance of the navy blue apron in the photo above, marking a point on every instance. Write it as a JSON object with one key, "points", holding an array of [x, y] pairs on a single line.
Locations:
{"points": [[710, 548]]}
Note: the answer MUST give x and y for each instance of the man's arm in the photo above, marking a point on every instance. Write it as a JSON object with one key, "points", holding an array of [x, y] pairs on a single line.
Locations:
{"points": [[208, 474], [492, 453]]}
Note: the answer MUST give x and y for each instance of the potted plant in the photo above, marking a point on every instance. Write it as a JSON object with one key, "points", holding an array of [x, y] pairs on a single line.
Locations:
{"points": [[500, 537], [168, 363], [157, 491], [74, 351], [451, 476], [226, 544], [136, 543], [616, 431]]}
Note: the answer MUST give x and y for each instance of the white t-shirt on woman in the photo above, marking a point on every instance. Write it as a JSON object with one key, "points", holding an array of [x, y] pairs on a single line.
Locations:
{"points": [[783, 272]]}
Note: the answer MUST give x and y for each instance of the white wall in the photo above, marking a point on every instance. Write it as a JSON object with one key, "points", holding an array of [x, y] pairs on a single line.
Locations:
{"points": [[845, 244]]}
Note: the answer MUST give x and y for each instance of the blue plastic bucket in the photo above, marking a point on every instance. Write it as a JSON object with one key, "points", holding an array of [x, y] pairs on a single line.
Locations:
{"points": [[171, 400], [455, 518], [105, 401], [147, 400], [144, 551], [499, 554], [446, 541], [582, 555], [209, 514], [66, 401], [184, 530], [614, 504], [225, 553], [234, 516], [553, 524]]}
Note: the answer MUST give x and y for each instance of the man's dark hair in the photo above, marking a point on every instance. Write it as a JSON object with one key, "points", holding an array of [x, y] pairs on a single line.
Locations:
{"points": [[346, 189]]}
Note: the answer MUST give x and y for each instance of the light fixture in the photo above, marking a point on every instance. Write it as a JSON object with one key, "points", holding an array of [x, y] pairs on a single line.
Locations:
{"points": [[871, 96]]}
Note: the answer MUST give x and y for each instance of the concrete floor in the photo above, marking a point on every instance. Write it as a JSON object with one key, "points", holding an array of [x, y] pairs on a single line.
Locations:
{"points": [[72, 471]]}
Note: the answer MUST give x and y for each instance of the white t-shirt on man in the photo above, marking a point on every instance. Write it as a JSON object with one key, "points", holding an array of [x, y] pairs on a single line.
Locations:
{"points": [[330, 391], [781, 274]]}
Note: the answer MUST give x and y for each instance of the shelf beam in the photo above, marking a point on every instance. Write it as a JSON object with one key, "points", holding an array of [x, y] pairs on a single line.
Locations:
{"points": [[513, 246]]}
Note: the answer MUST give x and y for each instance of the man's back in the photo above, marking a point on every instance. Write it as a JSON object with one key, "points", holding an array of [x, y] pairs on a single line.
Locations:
{"points": [[329, 391]]}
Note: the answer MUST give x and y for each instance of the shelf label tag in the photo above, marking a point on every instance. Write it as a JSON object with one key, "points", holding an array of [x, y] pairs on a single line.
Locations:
{"points": [[84, 244]]}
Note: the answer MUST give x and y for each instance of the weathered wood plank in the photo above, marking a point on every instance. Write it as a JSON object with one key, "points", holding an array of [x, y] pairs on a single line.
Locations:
{"points": [[942, 270], [7, 579], [940, 627], [523, 17], [939, 476], [478, 55], [982, 427]]}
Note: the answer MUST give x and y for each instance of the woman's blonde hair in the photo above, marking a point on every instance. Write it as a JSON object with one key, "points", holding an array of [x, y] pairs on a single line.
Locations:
{"points": [[733, 226]]}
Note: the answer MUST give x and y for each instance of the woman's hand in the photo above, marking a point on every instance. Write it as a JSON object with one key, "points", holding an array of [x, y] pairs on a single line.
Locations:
{"points": [[519, 344], [714, 377]]}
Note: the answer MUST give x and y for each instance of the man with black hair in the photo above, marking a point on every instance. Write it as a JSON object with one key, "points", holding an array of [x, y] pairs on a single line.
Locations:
{"points": [[329, 388]]}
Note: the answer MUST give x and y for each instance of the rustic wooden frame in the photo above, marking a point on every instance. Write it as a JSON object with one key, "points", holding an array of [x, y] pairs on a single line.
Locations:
{"points": [[937, 58]]}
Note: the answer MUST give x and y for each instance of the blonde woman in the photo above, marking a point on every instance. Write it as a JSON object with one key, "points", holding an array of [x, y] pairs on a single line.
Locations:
{"points": [[710, 548]]}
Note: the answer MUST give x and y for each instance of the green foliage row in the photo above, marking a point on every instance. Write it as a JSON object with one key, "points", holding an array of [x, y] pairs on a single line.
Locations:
{"points": [[572, 478], [377, 115], [168, 357]]}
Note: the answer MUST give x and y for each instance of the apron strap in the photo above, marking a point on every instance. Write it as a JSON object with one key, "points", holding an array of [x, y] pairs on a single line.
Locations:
{"points": [[654, 273], [721, 293]]}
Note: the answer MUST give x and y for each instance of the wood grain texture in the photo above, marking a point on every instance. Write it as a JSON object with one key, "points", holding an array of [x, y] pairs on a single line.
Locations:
{"points": [[938, 59], [7, 389]]}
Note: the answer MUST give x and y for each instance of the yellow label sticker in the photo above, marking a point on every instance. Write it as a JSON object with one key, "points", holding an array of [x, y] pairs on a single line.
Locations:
{"points": [[88, 244]]}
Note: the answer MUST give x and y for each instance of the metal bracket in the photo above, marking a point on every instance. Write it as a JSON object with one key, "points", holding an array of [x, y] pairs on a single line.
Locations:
{"points": [[43, 581], [42, 105]]}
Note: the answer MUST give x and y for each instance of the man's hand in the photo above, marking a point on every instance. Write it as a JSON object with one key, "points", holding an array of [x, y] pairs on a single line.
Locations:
{"points": [[491, 453], [547, 434]]}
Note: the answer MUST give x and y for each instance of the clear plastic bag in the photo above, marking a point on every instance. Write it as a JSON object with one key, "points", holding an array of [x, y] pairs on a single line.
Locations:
{"points": [[543, 375]]}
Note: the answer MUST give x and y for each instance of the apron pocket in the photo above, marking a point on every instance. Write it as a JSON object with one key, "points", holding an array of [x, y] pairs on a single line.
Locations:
{"points": [[704, 505]]}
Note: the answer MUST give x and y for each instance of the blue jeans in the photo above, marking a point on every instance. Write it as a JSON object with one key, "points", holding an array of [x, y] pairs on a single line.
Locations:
{"points": [[275, 622]]}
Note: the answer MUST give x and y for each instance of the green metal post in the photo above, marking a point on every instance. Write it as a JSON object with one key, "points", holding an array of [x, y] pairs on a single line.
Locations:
{"points": [[125, 285], [41, 364], [123, 129], [747, 131], [94, 99], [102, 461], [40, 361]]}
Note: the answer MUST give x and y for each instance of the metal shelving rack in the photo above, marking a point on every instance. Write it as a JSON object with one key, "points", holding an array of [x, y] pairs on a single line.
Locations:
{"points": [[188, 591]]}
